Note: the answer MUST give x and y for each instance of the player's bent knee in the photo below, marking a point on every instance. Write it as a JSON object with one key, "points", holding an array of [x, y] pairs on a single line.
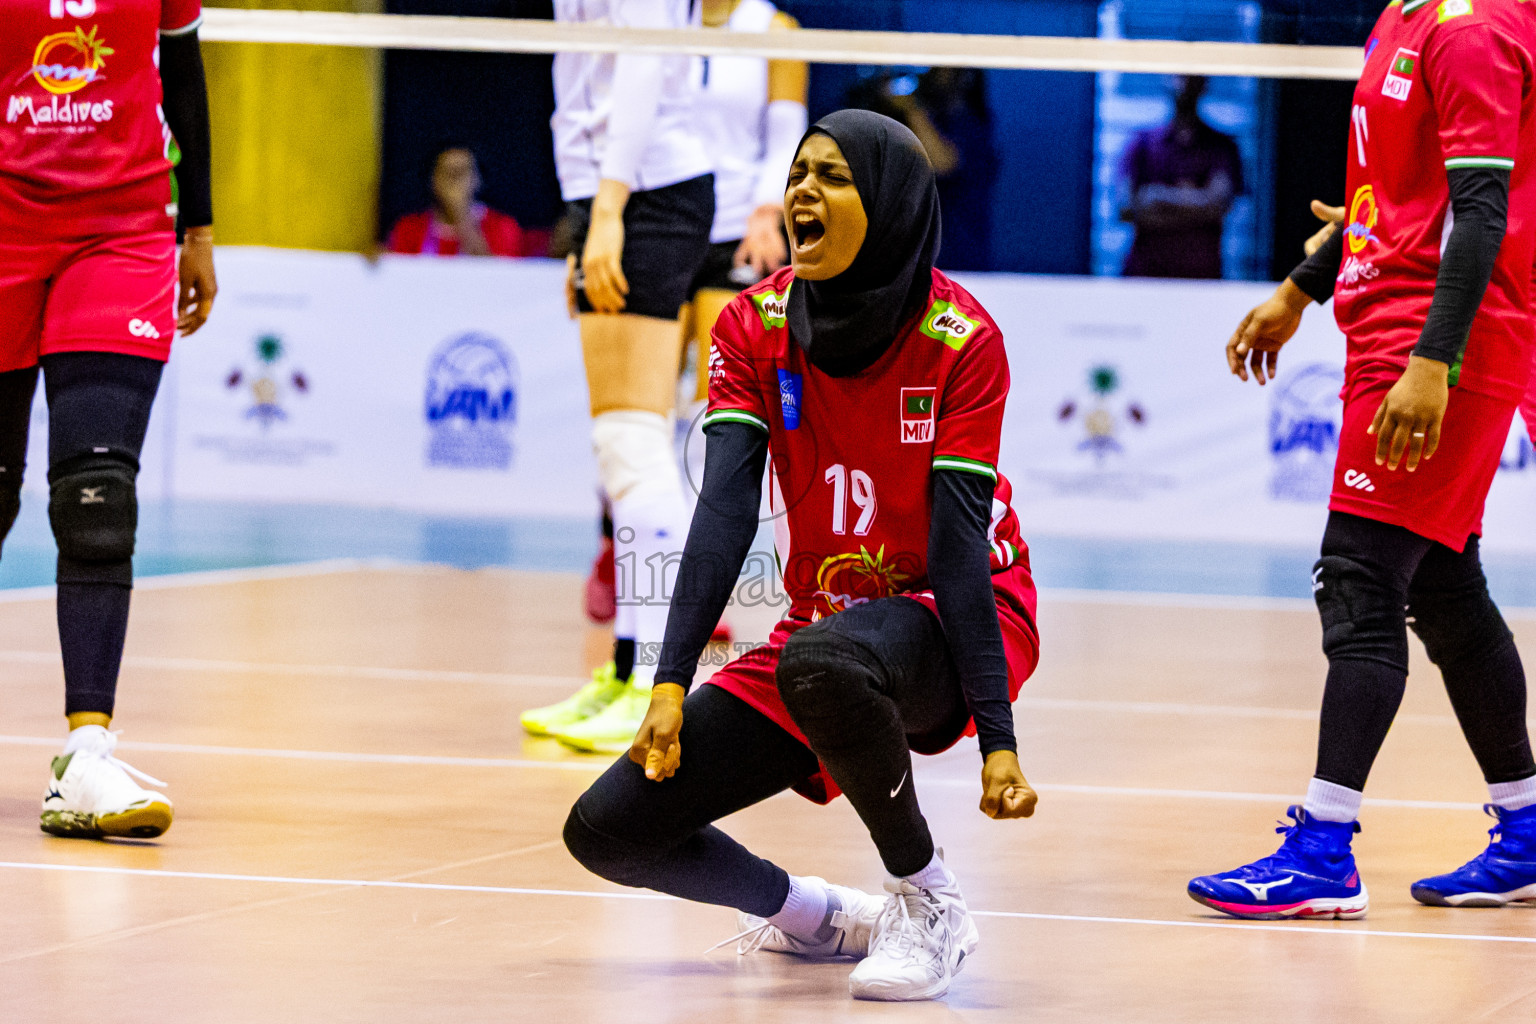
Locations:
{"points": [[617, 860], [94, 510], [1458, 626], [633, 448], [1362, 616], [820, 670]]}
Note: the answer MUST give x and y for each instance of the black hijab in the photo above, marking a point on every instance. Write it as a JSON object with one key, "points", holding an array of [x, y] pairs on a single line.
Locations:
{"points": [[847, 322]]}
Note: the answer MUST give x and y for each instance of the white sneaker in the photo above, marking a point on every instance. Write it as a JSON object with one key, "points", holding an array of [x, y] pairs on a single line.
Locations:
{"points": [[922, 938], [853, 924], [90, 794]]}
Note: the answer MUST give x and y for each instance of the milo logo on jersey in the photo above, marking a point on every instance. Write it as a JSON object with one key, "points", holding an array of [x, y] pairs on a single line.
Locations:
{"points": [[946, 323], [773, 308]]}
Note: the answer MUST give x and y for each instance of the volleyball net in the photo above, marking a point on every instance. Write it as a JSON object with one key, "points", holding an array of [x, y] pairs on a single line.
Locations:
{"points": [[813, 46]]}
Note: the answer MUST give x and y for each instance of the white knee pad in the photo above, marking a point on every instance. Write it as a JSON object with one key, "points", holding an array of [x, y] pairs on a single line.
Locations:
{"points": [[633, 449]]}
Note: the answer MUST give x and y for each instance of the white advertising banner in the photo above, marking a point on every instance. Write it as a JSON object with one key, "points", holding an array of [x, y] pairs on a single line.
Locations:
{"points": [[456, 386], [437, 385], [1124, 421]]}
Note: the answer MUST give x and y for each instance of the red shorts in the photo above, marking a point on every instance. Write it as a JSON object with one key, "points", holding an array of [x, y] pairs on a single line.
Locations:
{"points": [[106, 293], [751, 677], [1442, 499]]}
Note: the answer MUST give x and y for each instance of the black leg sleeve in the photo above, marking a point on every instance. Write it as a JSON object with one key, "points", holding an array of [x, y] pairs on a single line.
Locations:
{"points": [[16, 388], [1465, 635], [658, 835], [97, 403], [866, 686], [1361, 587]]}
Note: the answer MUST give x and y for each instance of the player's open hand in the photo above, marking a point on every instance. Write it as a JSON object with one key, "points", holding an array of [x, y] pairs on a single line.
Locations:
{"points": [[196, 283], [1264, 331], [656, 747], [1004, 791], [1408, 419], [602, 273], [763, 247], [1332, 218]]}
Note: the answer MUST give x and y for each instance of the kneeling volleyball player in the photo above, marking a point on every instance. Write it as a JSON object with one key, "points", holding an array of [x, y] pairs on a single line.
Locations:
{"points": [[877, 385]]}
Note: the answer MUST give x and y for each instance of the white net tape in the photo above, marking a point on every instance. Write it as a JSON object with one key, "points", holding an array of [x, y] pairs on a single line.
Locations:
{"points": [[817, 46]]}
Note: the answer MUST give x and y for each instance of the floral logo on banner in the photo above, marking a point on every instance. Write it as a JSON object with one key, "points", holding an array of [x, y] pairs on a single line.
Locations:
{"points": [[1101, 413], [270, 381]]}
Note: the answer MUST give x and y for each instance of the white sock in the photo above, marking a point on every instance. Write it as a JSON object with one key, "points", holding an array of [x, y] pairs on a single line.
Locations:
{"points": [[934, 876], [805, 908], [1328, 801], [650, 525], [1512, 796]]}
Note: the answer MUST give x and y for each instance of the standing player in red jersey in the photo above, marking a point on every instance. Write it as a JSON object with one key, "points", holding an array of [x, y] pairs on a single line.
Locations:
{"points": [[877, 386], [102, 99], [1431, 280]]}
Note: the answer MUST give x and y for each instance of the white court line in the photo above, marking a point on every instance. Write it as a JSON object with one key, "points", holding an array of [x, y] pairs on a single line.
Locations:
{"points": [[595, 765], [412, 675], [1299, 928], [215, 577], [428, 675]]}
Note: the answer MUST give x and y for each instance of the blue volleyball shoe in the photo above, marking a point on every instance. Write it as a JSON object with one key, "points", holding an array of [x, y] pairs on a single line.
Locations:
{"points": [[1313, 874], [1503, 873]]}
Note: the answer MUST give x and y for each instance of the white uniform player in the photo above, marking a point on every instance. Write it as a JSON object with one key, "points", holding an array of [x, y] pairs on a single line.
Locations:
{"points": [[640, 198]]}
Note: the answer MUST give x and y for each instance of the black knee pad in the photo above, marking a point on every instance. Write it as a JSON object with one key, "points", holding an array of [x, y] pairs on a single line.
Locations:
{"points": [[1362, 615], [94, 510], [1457, 625], [606, 856], [818, 663]]}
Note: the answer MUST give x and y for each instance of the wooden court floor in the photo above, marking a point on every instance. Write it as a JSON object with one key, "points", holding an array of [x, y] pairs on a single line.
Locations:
{"points": [[364, 835]]}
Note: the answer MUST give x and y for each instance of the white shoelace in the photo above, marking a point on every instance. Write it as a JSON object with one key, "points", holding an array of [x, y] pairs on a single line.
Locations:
{"points": [[105, 752], [905, 934], [749, 941]]}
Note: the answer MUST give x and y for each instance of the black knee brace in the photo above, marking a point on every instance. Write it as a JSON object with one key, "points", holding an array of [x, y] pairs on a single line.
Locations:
{"points": [[1458, 624], [818, 667], [94, 510], [1363, 616]]}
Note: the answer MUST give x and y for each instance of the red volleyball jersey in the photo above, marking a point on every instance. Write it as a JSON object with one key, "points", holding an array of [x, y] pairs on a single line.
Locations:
{"points": [[84, 147], [852, 458], [1447, 85]]}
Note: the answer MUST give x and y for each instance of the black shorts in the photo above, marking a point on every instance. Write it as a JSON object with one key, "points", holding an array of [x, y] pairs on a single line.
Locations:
{"points": [[666, 238], [716, 271]]}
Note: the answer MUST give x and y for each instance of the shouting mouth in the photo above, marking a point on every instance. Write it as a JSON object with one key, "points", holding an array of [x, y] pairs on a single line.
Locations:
{"points": [[808, 230]]}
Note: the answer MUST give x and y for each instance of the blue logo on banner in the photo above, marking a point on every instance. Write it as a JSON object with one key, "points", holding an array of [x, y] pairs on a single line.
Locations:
{"points": [[1304, 433], [789, 398], [471, 403]]}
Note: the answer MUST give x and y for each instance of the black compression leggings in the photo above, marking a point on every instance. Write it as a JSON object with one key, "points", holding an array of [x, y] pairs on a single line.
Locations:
{"points": [[95, 400], [1373, 581], [880, 683]]}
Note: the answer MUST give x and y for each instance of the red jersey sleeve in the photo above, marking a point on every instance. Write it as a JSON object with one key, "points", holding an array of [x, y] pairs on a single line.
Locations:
{"points": [[969, 424], [178, 16], [1475, 79], [503, 235], [408, 234], [735, 393]]}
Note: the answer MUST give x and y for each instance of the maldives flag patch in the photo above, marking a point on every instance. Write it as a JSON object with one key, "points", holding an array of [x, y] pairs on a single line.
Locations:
{"points": [[917, 415]]}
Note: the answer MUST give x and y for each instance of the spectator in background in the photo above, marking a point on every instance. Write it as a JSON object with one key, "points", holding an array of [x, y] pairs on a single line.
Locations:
{"points": [[1178, 183], [457, 225], [946, 108]]}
